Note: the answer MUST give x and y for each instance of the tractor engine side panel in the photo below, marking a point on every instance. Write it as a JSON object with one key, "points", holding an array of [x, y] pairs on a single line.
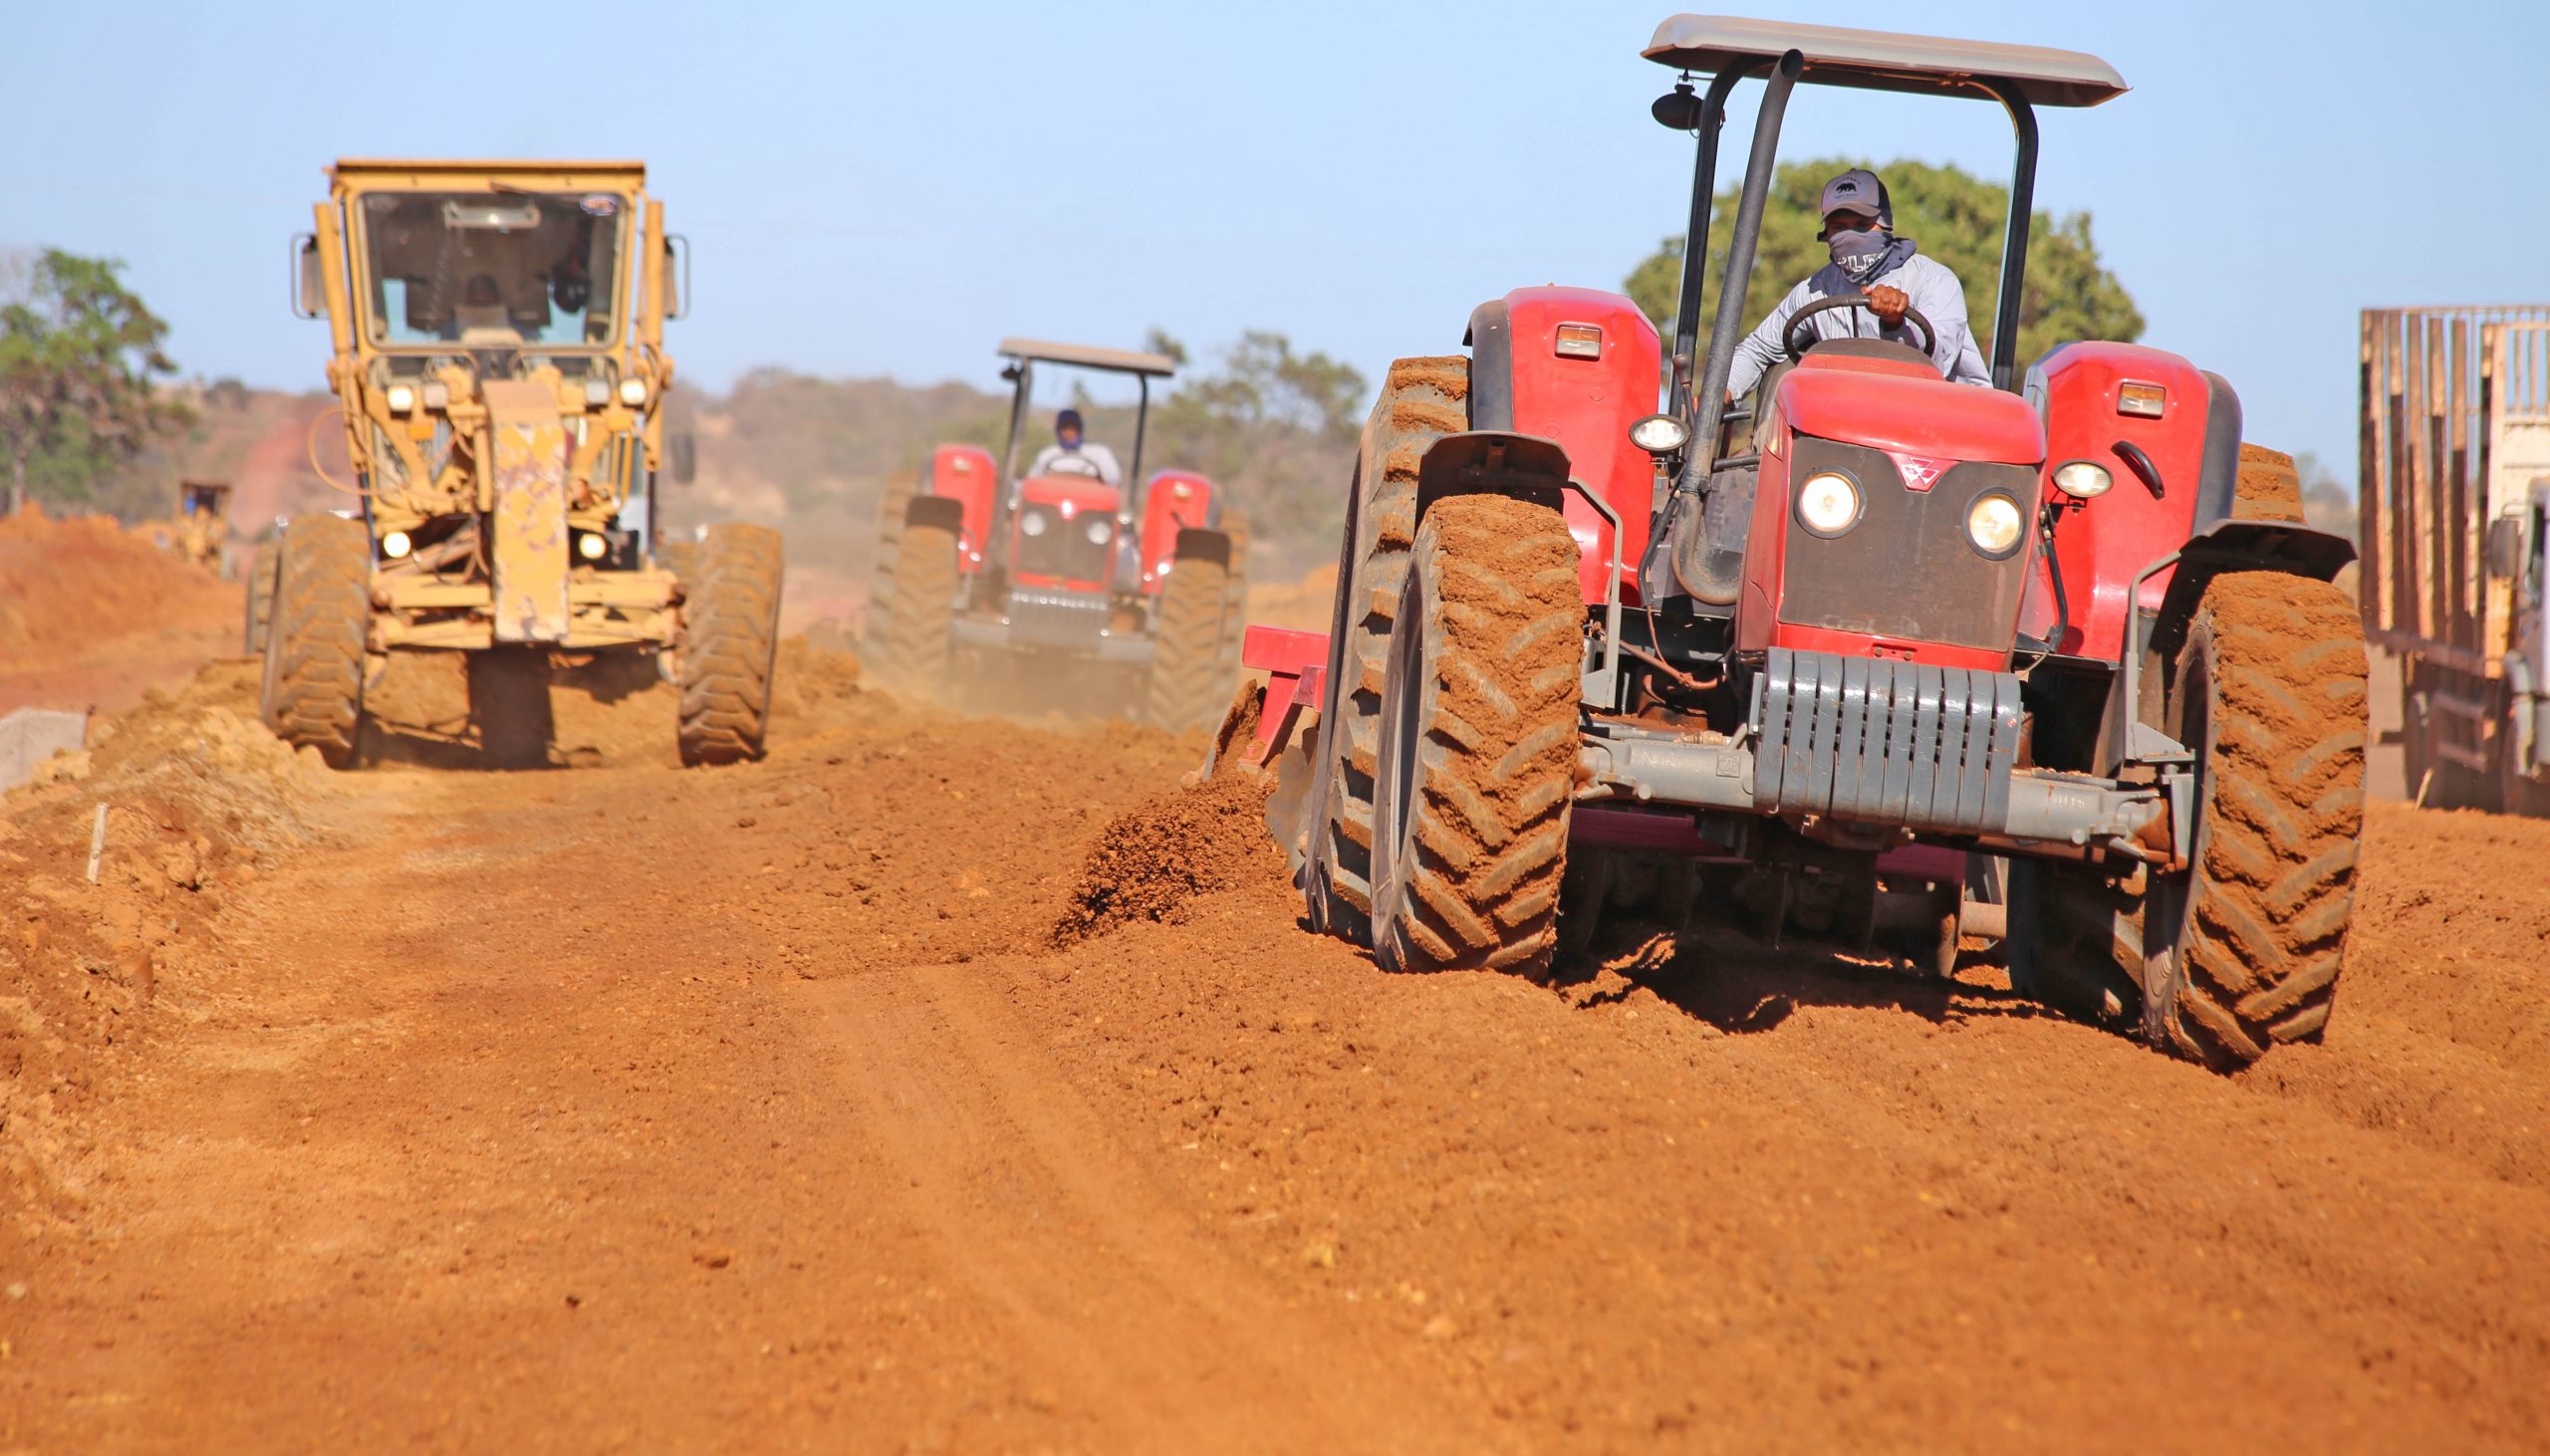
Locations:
{"points": [[1586, 400], [966, 473], [2101, 543], [1175, 501]]}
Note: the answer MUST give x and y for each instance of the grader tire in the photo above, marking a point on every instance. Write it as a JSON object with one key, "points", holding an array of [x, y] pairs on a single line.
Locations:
{"points": [[1186, 687], [2270, 691], [730, 644], [1423, 401], [316, 635], [1477, 741], [681, 558], [2269, 487], [899, 489], [922, 625], [261, 596]]}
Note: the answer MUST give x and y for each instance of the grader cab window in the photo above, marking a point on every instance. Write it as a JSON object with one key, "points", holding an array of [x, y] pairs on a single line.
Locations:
{"points": [[493, 270]]}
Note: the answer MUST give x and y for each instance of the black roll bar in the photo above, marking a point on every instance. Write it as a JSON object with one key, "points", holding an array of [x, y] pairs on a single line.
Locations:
{"points": [[1686, 313], [1702, 453], [2015, 238]]}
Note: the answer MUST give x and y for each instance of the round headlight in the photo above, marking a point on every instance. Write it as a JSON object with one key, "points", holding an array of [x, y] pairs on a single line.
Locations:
{"points": [[1099, 528], [1660, 434], [1993, 523], [2083, 479], [633, 392], [591, 546], [1827, 503], [394, 545], [1032, 524], [402, 398]]}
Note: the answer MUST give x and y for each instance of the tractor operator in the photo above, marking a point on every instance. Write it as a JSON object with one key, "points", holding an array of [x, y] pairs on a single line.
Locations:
{"points": [[1069, 454], [1859, 229]]}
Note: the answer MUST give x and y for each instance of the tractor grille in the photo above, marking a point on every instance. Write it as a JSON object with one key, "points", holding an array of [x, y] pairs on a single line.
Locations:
{"points": [[1898, 744], [1080, 547], [1056, 619]]}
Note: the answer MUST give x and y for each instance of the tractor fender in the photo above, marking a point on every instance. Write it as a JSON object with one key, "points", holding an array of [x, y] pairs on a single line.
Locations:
{"points": [[1492, 462], [1198, 543], [2237, 545], [1490, 338], [945, 512]]}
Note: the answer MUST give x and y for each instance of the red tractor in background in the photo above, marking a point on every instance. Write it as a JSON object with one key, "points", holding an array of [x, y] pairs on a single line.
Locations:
{"points": [[976, 562], [1811, 653]]}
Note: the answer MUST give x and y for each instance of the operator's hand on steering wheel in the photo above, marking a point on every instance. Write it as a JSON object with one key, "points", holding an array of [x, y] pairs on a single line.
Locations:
{"points": [[1889, 304]]}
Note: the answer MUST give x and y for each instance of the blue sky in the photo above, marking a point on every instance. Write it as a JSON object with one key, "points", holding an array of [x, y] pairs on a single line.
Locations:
{"points": [[875, 189]]}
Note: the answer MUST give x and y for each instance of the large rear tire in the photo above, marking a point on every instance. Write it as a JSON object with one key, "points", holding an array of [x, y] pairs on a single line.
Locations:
{"points": [[1423, 401], [317, 636], [2269, 487], [1477, 741], [921, 628], [730, 643], [2243, 949], [1186, 687]]}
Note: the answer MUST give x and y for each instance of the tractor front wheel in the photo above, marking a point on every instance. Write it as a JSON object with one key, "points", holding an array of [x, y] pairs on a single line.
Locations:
{"points": [[1477, 741], [315, 639], [730, 643]]}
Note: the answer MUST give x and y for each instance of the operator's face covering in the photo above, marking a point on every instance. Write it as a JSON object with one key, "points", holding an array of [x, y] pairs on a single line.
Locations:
{"points": [[1858, 244]]}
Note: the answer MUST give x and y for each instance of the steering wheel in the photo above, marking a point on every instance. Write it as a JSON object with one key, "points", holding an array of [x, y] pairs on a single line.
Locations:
{"points": [[1797, 347]]}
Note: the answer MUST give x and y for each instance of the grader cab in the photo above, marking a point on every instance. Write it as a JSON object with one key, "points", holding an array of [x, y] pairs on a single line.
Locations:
{"points": [[497, 354]]}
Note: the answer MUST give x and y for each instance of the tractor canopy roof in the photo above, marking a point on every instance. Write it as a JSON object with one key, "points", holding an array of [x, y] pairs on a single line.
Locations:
{"points": [[1884, 60], [1087, 356]]}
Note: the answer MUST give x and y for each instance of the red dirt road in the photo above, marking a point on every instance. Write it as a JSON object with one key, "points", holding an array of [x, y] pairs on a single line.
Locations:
{"points": [[763, 1108]]}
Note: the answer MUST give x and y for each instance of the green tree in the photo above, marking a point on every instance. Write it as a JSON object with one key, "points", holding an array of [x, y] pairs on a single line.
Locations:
{"points": [[1956, 217], [78, 355]]}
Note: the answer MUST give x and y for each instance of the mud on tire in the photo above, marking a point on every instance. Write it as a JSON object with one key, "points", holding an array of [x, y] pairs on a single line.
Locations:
{"points": [[1186, 687], [2270, 691], [1477, 741], [923, 619], [1423, 401], [316, 638], [730, 641]]}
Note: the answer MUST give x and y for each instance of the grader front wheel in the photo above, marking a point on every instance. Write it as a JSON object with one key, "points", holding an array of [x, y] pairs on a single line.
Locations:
{"points": [[1477, 741], [730, 643], [317, 637]]}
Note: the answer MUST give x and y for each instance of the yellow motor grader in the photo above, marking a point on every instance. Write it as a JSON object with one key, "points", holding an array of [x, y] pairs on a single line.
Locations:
{"points": [[496, 333]]}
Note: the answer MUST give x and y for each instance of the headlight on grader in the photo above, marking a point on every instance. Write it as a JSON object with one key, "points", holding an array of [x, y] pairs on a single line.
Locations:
{"points": [[2083, 479], [591, 545], [402, 398], [1827, 503], [1993, 524], [633, 392]]}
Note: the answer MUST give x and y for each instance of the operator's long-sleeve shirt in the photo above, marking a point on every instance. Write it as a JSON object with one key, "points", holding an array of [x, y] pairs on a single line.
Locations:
{"points": [[1087, 458], [1936, 295]]}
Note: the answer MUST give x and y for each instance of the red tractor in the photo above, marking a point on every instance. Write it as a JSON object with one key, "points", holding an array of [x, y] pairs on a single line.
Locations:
{"points": [[978, 562], [1812, 652]]}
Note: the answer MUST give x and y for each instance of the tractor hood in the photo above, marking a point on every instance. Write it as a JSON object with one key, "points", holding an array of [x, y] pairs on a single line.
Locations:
{"points": [[1906, 408], [1074, 493]]}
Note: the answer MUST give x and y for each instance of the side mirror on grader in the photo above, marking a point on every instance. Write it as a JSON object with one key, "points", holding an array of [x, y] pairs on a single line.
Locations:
{"points": [[310, 284]]}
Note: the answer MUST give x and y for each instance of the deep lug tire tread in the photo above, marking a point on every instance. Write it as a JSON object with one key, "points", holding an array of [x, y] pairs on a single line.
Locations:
{"points": [[1496, 732], [730, 643], [1186, 687], [317, 636], [1423, 400], [921, 623]]}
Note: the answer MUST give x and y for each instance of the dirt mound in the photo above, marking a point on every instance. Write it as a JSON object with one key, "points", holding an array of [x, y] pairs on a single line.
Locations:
{"points": [[201, 800], [1151, 860], [91, 614]]}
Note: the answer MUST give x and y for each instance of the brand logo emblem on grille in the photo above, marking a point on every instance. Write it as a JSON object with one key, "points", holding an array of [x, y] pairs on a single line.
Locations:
{"points": [[1919, 472]]}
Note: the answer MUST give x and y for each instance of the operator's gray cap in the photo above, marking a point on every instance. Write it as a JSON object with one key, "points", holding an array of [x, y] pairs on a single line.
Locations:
{"points": [[1857, 190]]}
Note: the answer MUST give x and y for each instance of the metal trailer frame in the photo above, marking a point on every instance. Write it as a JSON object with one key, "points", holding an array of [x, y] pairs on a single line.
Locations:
{"points": [[2452, 450]]}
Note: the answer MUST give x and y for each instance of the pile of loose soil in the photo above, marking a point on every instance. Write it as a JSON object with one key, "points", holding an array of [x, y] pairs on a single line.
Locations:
{"points": [[201, 800], [1150, 861], [94, 615]]}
